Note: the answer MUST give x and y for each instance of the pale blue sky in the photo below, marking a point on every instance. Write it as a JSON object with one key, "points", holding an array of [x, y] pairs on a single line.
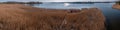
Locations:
{"points": [[56, 0]]}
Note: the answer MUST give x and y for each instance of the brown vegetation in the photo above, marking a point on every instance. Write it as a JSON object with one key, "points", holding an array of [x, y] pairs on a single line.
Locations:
{"points": [[116, 6], [21, 17]]}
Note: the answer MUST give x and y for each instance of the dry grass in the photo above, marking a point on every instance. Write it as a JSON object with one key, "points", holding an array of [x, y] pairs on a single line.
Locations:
{"points": [[20, 17], [116, 6]]}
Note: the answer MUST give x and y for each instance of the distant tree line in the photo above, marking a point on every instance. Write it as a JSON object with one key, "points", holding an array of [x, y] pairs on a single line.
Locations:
{"points": [[13, 2], [118, 2]]}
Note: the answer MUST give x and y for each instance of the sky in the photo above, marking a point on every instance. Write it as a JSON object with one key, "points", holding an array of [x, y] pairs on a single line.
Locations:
{"points": [[58, 0]]}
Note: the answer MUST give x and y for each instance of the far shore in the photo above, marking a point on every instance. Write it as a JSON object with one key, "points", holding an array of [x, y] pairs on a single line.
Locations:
{"points": [[20, 2], [116, 6]]}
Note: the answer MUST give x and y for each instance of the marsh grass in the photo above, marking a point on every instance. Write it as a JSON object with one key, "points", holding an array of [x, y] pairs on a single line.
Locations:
{"points": [[22, 17]]}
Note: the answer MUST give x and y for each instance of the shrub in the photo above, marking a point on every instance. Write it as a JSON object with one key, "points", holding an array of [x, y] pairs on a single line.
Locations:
{"points": [[118, 2]]}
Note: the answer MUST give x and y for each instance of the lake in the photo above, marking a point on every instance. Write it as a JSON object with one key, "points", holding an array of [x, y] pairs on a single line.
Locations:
{"points": [[112, 15]]}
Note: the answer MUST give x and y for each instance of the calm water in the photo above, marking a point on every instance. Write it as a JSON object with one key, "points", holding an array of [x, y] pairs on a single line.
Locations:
{"points": [[112, 15]]}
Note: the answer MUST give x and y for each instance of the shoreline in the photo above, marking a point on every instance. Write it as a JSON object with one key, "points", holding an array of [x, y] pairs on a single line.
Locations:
{"points": [[116, 6]]}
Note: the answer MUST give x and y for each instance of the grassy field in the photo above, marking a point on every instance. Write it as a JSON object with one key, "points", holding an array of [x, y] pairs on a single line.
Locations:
{"points": [[21, 17]]}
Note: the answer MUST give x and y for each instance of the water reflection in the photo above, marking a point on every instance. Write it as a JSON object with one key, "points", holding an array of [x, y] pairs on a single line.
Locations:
{"points": [[64, 5], [33, 4]]}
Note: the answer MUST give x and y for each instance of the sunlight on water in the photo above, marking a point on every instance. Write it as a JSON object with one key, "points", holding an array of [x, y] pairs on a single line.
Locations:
{"points": [[66, 4]]}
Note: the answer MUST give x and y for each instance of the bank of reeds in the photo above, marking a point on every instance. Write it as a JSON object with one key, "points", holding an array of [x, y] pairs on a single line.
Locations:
{"points": [[20, 17]]}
